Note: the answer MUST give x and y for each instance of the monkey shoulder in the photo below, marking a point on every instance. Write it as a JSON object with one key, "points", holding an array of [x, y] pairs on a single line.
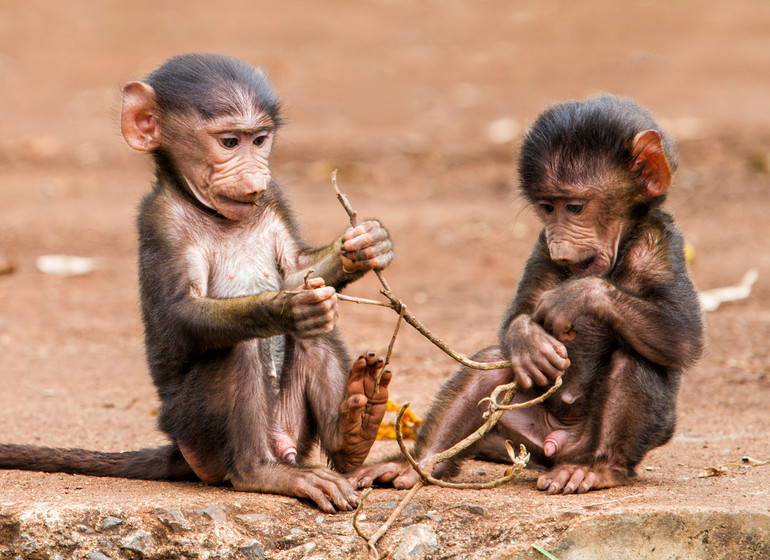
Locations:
{"points": [[654, 257]]}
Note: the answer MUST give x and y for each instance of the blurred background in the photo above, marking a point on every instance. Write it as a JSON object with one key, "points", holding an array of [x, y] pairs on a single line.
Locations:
{"points": [[420, 105]]}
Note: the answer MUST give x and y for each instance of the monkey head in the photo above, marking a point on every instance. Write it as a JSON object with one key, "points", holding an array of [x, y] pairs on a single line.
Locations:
{"points": [[591, 169], [210, 121]]}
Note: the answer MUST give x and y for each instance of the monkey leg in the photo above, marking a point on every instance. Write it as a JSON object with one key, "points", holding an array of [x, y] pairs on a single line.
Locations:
{"points": [[638, 414], [313, 386]]}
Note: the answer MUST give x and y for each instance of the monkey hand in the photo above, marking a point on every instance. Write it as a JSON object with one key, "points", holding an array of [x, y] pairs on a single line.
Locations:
{"points": [[366, 247], [312, 311], [558, 309], [536, 356], [362, 410]]}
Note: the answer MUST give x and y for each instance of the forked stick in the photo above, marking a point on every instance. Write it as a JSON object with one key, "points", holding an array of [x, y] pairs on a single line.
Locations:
{"points": [[399, 307]]}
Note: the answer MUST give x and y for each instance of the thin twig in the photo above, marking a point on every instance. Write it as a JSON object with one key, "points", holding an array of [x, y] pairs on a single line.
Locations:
{"points": [[358, 511], [519, 462], [494, 405], [423, 330], [352, 299], [372, 542], [305, 281], [390, 348], [365, 301], [354, 222], [399, 305]]}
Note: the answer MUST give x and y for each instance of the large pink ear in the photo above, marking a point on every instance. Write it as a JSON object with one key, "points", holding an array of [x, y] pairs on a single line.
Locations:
{"points": [[650, 161], [140, 117]]}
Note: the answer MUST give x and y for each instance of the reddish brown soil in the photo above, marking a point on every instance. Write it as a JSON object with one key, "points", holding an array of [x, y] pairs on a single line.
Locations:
{"points": [[399, 96]]}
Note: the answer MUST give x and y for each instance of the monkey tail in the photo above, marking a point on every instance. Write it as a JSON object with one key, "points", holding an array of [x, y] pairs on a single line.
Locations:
{"points": [[161, 463]]}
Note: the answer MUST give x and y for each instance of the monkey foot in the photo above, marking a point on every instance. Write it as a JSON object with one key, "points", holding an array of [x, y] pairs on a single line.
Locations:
{"points": [[363, 409], [400, 474], [566, 479], [329, 490]]}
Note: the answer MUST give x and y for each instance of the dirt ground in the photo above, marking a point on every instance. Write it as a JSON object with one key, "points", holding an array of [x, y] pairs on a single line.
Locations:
{"points": [[420, 105]]}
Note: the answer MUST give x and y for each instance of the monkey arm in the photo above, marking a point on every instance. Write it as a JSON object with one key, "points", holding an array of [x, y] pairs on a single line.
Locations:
{"points": [[327, 264], [220, 323], [660, 327], [364, 247]]}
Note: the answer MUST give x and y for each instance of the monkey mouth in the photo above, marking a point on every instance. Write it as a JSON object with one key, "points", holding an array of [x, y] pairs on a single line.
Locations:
{"points": [[233, 208]]}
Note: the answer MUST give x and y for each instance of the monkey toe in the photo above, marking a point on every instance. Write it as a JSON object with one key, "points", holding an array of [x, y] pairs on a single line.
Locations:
{"points": [[568, 479], [406, 480], [329, 491]]}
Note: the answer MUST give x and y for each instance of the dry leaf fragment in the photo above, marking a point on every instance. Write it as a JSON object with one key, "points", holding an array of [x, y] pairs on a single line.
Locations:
{"points": [[409, 424], [747, 462], [65, 265], [711, 299], [712, 471]]}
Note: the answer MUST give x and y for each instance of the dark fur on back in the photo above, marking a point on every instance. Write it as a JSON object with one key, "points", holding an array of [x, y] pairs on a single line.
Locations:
{"points": [[575, 140]]}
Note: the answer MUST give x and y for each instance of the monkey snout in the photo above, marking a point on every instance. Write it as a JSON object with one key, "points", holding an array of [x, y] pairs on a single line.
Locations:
{"points": [[564, 254]]}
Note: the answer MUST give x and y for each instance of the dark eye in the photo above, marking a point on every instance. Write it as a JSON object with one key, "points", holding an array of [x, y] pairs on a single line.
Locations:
{"points": [[260, 140], [574, 208], [546, 207], [229, 142]]}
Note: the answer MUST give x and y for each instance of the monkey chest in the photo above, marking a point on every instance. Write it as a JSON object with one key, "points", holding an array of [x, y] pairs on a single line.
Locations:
{"points": [[240, 269]]}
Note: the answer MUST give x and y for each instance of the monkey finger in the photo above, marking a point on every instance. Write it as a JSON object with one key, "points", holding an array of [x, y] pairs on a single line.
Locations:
{"points": [[329, 498], [351, 266], [311, 297], [341, 492], [372, 256], [546, 367], [372, 360], [315, 318], [382, 261], [552, 363], [533, 371], [363, 235], [561, 350], [314, 283], [314, 307], [387, 376], [357, 371], [351, 408], [521, 374]]}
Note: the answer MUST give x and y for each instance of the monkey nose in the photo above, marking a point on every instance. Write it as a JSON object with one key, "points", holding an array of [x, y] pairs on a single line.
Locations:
{"points": [[255, 182], [562, 255]]}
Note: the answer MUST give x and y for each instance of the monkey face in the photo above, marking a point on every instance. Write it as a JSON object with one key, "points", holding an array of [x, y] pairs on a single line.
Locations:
{"points": [[581, 234], [226, 163]]}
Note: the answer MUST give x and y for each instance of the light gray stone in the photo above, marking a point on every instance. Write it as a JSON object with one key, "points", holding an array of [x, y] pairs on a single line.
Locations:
{"points": [[416, 542]]}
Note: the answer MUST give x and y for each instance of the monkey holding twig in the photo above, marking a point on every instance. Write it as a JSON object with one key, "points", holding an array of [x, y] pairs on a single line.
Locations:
{"points": [[605, 301], [241, 344]]}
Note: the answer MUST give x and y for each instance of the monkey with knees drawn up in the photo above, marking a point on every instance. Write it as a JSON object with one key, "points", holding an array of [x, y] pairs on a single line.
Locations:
{"points": [[605, 300], [242, 348]]}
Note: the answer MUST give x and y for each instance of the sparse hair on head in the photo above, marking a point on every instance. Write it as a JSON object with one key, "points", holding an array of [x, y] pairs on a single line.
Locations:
{"points": [[572, 140], [212, 86]]}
